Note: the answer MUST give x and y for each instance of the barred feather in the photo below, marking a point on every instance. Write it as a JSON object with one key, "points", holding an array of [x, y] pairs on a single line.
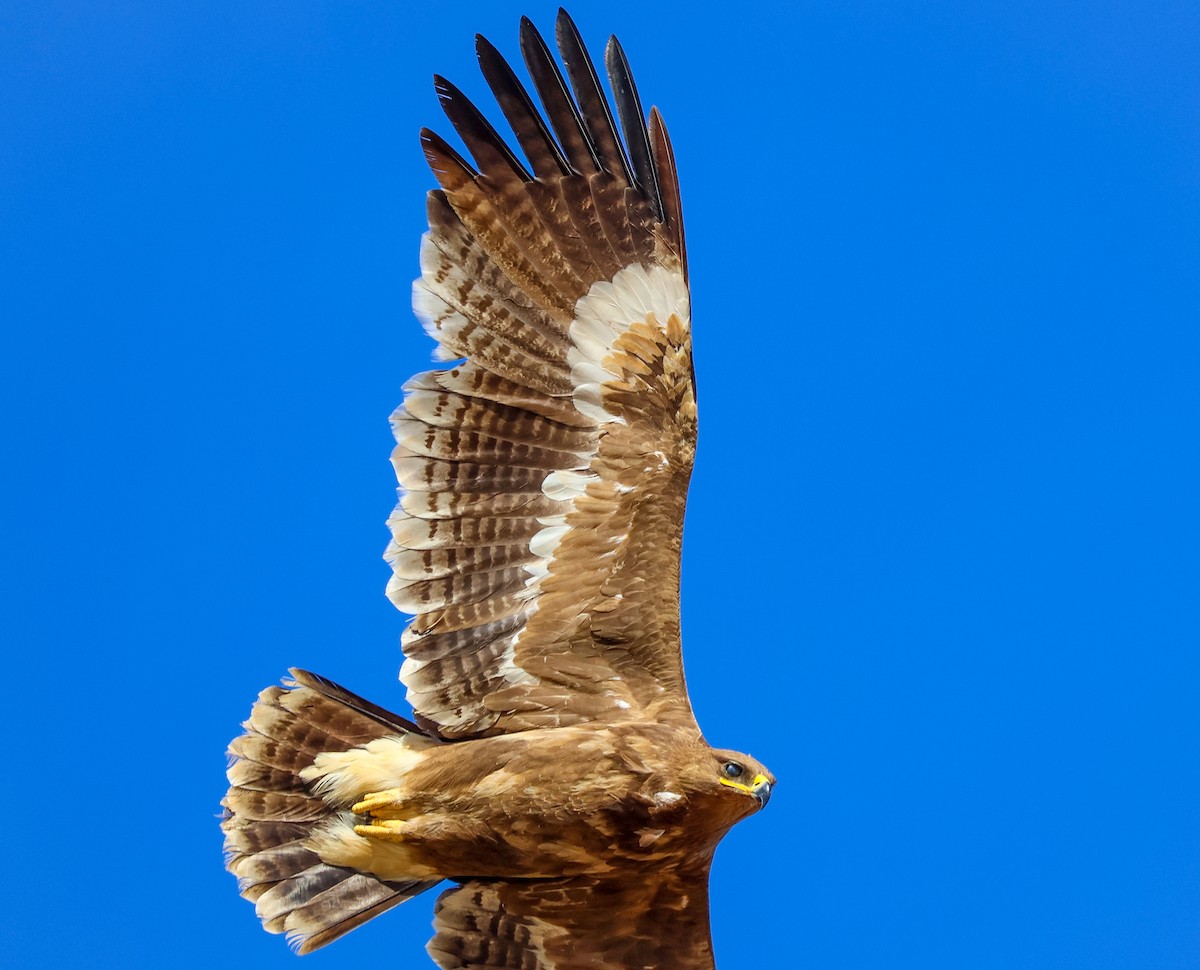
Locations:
{"points": [[523, 469], [272, 813], [659, 920]]}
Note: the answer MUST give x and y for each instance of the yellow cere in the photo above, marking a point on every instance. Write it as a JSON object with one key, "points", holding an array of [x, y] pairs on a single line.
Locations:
{"points": [[748, 789]]}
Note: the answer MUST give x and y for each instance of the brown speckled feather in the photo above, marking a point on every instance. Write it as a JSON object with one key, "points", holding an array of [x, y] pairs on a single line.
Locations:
{"points": [[658, 922], [543, 478]]}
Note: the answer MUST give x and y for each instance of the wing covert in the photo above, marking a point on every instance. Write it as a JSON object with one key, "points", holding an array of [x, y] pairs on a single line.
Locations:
{"points": [[583, 923]]}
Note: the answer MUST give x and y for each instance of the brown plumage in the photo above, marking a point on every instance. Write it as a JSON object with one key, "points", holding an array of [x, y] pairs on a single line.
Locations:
{"points": [[555, 770]]}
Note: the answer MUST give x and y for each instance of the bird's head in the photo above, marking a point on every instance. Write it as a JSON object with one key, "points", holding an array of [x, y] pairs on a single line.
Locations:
{"points": [[739, 775]]}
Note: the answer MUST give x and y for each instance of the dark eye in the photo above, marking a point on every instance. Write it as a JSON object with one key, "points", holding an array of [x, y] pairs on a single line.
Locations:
{"points": [[732, 769]]}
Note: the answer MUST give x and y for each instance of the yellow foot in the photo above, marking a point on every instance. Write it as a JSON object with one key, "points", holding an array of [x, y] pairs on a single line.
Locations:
{"points": [[374, 802], [390, 830]]}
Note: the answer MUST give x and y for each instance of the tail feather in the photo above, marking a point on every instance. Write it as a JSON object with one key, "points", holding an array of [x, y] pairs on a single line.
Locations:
{"points": [[336, 912], [289, 894], [276, 864], [250, 837], [256, 776], [266, 806], [271, 813]]}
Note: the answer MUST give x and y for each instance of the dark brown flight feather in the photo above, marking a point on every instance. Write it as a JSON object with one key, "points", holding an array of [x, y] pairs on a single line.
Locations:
{"points": [[593, 105], [633, 122], [535, 139], [557, 101]]}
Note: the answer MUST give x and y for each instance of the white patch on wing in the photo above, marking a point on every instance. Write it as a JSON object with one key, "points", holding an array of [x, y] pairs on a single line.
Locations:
{"points": [[591, 338], [537, 571], [588, 403], [636, 295], [564, 485], [606, 311], [546, 540]]}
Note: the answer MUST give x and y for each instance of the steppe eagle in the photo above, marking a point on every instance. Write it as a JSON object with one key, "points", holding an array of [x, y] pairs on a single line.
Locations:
{"points": [[555, 772]]}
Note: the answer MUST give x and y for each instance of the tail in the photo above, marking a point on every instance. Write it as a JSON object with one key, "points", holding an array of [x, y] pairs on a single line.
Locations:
{"points": [[271, 812]]}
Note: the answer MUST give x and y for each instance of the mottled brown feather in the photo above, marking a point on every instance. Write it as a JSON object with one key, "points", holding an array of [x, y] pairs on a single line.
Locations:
{"points": [[509, 256], [656, 922], [271, 812]]}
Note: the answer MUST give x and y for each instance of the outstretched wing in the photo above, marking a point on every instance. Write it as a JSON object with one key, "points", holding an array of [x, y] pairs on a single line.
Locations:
{"points": [[543, 476], [659, 922]]}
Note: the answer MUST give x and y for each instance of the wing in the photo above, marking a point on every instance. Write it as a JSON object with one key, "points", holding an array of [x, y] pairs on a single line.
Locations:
{"points": [[573, 924], [543, 476]]}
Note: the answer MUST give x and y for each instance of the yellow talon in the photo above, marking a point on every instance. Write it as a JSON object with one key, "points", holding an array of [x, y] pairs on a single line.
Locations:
{"points": [[390, 830], [377, 800]]}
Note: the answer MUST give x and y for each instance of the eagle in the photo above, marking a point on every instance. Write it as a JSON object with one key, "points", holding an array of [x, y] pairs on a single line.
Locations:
{"points": [[553, 771]]}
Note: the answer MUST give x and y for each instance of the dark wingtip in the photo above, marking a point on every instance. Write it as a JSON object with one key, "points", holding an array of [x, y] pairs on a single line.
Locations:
{"points": [[633, 123], [477, 133], [543, 151], [595, 110]]}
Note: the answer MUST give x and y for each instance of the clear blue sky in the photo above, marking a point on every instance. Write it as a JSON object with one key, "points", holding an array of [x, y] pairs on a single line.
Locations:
{"points": [[941, 568]]}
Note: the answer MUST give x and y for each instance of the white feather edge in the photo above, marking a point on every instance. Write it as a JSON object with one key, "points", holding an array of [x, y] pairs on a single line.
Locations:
{"points": [[637, 293]]}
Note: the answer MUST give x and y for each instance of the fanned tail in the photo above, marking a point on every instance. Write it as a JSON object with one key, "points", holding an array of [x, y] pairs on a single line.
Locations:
{"points": [[271, 812]]}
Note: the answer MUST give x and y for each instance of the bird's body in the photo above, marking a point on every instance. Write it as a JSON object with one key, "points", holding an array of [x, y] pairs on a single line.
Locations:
{"points": [[622, 798], [555, 770]]}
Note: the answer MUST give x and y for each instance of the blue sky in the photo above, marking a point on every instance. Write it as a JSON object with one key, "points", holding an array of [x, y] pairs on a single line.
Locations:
{"points": [[941, 565]]}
